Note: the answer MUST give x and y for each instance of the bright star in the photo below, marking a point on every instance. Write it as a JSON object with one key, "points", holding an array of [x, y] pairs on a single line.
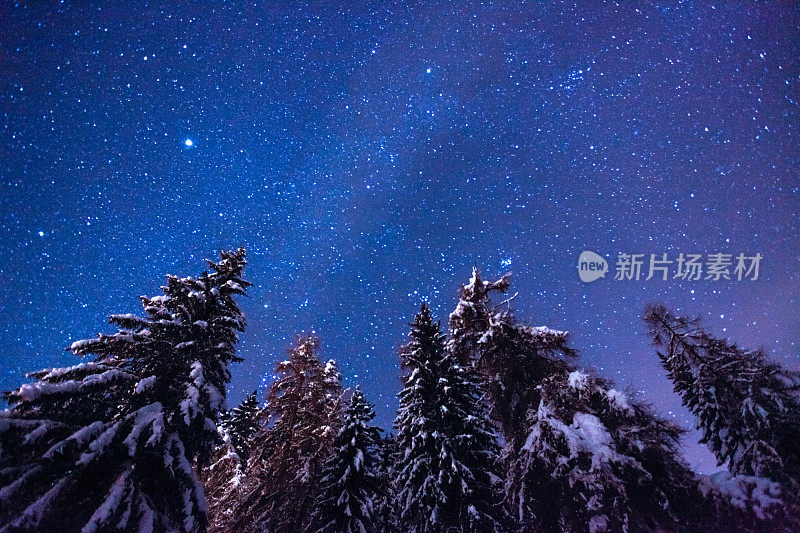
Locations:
{"points": [[428, 71], [188, 142]]}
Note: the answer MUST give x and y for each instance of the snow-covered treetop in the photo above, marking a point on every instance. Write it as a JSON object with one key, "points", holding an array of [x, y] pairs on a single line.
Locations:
{"points": [[131, 423], [747, 406]]}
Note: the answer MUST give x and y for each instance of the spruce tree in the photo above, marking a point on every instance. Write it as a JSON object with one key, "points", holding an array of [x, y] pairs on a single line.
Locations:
{"points": [[109, 444], [223, 476], [446, 471], [748, 411], [221, 481], [350, 485], [510, 357], [301, 419], [386, 458], [578, 454], [594, 460], [241, 424]]}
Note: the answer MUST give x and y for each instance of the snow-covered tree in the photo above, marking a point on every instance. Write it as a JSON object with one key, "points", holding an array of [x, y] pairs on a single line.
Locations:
{"points": [[300, 421], [578, 454], [223, 476], [510, 357], [746, 406], [747, 504], [221, 481], [109, 444], [472, 316], [594, 460], [242, 423], [350, 485], [445, 478], [386, 457]]}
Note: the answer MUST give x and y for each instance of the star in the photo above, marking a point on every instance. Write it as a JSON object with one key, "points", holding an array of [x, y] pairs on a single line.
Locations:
{"points": [[361, 194]]}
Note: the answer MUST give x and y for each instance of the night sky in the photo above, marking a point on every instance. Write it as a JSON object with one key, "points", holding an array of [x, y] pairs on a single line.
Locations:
{"points": [[367, 157]]}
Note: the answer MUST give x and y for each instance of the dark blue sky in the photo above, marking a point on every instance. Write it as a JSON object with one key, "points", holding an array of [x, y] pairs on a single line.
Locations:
{"points": [[369, 156]]}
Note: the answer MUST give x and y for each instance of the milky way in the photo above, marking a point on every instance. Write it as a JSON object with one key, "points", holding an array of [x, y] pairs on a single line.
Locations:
{"points": [[368, 157]]}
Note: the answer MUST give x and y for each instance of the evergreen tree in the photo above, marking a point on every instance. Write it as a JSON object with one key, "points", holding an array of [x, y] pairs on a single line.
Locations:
{"points": [[578, 454], [221, 481], [241, 424], [594, 460], [748, 410], [350, 485], [748, 504], [386, 457], [446, 471], [108, 444], [747, 406], [510, 357], [300, 422], [224, 475]]}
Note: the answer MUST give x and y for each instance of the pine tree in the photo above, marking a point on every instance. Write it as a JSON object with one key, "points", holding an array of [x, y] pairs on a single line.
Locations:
{"points": [[509, 356], [386, 458], [349, 484], [241, 424], [224, 475], [300, 422], [221, 481], [747, 406], [594, 460], [574, 457], [748, 410], [109, 444], [446, 474]]}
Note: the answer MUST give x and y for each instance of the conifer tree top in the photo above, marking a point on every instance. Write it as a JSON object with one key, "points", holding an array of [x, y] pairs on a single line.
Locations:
{"points": [[746, 405], [131, 423]]}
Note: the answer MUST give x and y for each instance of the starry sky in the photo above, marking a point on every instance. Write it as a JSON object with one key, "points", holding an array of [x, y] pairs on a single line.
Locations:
{"points": [[368, 156]]}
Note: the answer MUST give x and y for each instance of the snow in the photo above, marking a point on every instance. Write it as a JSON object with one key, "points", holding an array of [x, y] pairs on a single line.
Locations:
{"points": [[7, 422], [80, 437], [460, 309], [30, 392], [58, 372], [760, 493], [190, 405], [158, 430], [578, 380], [38, 433], [473, 280], [142, 418], [586, 434], [598, 524], [126, 316], [77, 345], [147, 520], [618, 399], [544, 331], [233, 285], [114, 497], [144, 384], [32, 517]]}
